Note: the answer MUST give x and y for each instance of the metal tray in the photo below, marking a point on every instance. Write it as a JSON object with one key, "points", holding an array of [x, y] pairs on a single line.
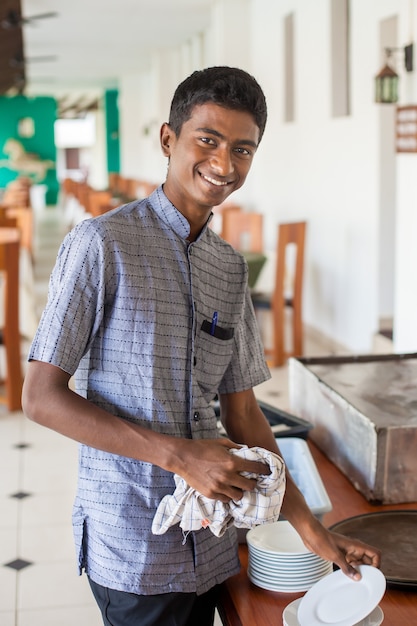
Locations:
{"points": [[394, 533]]}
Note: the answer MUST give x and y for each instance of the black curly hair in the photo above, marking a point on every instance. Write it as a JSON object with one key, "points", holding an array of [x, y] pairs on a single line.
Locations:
{"points": [[229, 87]]}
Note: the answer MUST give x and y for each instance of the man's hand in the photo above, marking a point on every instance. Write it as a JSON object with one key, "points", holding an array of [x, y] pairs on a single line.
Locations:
{"points": [[207, 466], [345, 552]]}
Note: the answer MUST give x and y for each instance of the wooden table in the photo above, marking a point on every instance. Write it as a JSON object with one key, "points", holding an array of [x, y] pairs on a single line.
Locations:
{"points": [[244, 604]]}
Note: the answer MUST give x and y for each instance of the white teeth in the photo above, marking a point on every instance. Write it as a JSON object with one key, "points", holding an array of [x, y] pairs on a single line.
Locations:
{"points": [[215, 182]]}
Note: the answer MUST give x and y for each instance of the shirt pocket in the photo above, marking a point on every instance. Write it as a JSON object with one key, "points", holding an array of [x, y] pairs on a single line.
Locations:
{"points": [[213, 355]]}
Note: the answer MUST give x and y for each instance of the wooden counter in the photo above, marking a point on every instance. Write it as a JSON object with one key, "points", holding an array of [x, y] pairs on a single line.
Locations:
{"points": [[244, 604]]}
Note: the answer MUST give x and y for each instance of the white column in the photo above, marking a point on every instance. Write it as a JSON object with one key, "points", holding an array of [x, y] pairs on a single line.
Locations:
{"points": [[230, 34], [405, 314]]}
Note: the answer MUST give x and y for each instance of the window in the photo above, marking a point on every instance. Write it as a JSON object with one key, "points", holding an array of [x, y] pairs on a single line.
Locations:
{"points": [[75, 133]]}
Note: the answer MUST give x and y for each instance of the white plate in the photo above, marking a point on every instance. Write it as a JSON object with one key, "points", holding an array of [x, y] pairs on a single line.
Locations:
{"points": [[284, 580], [268, 553], [290, 561], [293, 568], [289, 616], [301, 572], [337, 600], [316, 574], [373, 619], [269, 586], [278, 537]]}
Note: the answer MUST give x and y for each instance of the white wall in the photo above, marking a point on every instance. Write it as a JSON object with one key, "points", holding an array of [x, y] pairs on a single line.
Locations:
{"points": [[329, 171], [97, 177], [139, 127], [144, 102], [322, 169]]}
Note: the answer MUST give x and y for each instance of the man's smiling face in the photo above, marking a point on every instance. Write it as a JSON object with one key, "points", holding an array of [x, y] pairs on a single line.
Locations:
{"points": [[210, 158]]}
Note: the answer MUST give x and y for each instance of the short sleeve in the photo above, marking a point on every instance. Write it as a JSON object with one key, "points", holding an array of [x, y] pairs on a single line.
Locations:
{"points": [[76, 296], [248, 367]]}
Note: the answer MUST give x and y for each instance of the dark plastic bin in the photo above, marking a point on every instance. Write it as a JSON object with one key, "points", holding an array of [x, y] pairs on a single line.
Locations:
{"points": [[283, 424]]}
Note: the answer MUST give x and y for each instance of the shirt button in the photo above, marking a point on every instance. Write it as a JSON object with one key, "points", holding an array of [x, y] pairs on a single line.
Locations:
{"points": [[196, 416]]}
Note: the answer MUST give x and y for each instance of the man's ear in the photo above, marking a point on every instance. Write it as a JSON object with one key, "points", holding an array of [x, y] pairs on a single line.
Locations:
{"points": [[166, 136]]}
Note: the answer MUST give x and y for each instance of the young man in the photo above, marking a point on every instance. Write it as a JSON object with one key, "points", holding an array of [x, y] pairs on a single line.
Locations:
{"points": [[150, 310]]}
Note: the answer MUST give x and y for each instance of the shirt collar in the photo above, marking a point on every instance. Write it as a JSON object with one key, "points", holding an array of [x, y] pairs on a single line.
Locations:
{"points": [[171, 216]]}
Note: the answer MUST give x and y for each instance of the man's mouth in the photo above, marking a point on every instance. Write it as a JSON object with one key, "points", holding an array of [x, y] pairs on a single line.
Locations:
{"points": [[213, 181]]}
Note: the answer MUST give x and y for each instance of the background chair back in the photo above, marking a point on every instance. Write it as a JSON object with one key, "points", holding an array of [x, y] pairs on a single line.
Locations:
{"points": [[22, 218], [244, 231], [99, 202], [5, 220], [288, 292]]}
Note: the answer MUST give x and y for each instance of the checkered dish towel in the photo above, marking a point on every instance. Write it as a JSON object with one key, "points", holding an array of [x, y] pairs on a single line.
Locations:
{"points": [[193, 511]]}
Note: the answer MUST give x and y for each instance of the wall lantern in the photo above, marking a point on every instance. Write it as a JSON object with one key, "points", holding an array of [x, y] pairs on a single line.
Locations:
{"points": [[386, 82]]}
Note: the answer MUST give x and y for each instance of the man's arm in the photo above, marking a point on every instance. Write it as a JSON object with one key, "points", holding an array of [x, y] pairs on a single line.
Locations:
{"points": [[206, 465], [245, 423]]}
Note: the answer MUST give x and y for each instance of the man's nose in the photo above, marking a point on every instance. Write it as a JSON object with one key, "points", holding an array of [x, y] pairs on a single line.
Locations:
{"points": [[222, 162]]}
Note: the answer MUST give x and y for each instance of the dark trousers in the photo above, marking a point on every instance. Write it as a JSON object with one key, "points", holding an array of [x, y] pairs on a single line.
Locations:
{"points": [[119, 608]]}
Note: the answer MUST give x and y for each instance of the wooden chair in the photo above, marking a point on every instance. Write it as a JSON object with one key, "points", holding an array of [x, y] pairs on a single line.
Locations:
{"points": [[9, 269], [17, 193], [144, 188], [286, 296], [67, 186], [122, 187], [131, 186], [81, 192], [113, 182], [68, 189], [23, 218], [99, 202], [5, 220], [216, 223], [227, 206], [244, 231]]}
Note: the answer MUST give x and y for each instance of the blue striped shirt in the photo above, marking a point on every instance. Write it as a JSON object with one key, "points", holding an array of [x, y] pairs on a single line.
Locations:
{"points": [[129, 306]]}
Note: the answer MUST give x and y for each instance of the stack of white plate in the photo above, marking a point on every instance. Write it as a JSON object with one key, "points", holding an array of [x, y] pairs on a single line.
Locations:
{"points": [[279, 561]]}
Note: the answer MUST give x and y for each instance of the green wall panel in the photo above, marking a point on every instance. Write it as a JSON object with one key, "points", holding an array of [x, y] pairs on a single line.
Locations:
{"points": [[112, 130], [43, 112]]}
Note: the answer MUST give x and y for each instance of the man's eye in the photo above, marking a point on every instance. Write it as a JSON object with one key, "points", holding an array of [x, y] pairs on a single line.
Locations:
{"points": [[208, 140], [243, 151]]}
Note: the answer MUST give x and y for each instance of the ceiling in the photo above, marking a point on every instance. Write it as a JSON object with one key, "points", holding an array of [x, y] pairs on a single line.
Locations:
{"points": [[87, 44]]}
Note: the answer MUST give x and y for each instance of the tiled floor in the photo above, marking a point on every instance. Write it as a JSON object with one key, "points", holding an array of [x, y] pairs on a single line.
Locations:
{"points": [[38, 578], [39, 585]]}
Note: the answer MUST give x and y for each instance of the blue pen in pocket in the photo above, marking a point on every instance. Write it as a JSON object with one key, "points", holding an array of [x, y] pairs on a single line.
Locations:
{"points": [[213, 323]]}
